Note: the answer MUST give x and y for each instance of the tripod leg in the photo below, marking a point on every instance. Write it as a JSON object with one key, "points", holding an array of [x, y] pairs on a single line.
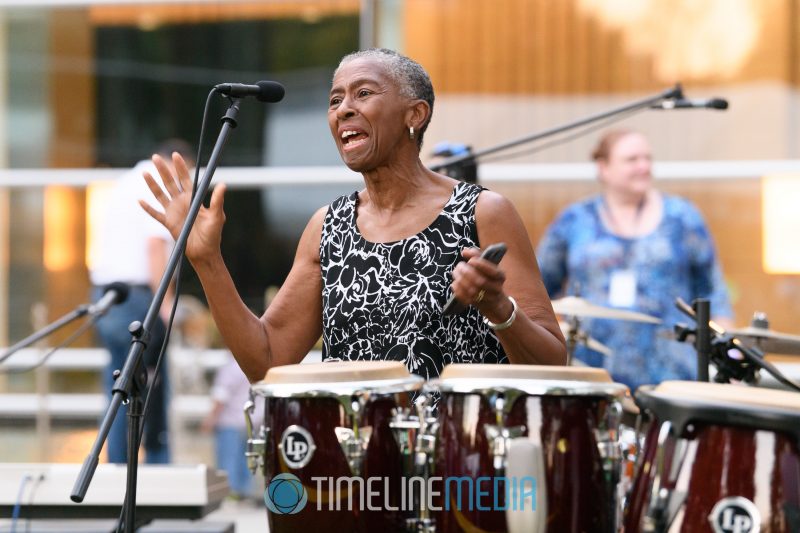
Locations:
{"points": [[135, 409]]}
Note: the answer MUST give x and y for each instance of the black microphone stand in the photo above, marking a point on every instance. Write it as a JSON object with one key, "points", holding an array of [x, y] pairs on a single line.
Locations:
{"points": [[131, 381], [79, 312], [469, 157]]}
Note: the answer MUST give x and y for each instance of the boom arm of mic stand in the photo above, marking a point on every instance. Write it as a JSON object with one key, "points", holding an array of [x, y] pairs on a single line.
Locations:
{"points": [[673, 93], [125, 384], [755, 357], [78, 312]]}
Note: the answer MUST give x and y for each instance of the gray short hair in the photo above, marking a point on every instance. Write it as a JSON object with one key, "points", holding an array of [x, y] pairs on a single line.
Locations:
{"points": [[409, 75]]}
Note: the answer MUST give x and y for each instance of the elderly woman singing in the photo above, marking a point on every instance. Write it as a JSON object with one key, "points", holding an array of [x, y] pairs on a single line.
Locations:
{"points": [[374, 269]]}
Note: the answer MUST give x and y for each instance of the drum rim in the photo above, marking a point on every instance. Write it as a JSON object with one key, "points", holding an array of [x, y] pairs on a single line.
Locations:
{"points": [[335, 372], [333, 389], [530, 372], [683, 411], [536, 387]]}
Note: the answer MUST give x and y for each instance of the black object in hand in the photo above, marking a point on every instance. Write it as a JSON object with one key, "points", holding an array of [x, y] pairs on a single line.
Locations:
{"points": [[493, 253]]}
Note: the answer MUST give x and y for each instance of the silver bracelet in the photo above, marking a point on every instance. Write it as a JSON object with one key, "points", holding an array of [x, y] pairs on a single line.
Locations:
{"points": [[507, 323]]}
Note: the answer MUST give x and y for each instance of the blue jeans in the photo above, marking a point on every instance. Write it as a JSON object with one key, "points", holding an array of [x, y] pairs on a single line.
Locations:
{"points": [[112, 329], [230, 444]]}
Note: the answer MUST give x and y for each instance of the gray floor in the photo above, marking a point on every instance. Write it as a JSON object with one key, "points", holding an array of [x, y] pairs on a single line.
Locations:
{"points": [[249, 518]]}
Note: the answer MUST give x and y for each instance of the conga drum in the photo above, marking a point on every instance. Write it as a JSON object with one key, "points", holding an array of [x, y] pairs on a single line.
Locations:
{"points": [[717, 458], [567, 418], [327, 430]]}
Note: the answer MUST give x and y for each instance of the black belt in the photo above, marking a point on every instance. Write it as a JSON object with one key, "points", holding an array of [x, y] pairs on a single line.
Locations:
{"points": [[143, 286]]}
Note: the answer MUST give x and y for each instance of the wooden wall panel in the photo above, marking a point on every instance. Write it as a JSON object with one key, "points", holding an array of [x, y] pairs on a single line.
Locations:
{"points": [[565, 47], [155, 13], [793, 42], [72, 92], [71, 145]]}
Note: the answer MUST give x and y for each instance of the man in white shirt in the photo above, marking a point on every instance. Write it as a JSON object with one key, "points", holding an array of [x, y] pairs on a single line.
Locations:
{"points": [[132, 248]]}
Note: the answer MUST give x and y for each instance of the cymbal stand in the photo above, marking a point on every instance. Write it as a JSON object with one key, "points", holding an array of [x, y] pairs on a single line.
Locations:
{"points": [[574, 336], [702, 338]]}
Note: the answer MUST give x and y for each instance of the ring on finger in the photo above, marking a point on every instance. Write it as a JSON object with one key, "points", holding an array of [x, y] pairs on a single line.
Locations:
{"points": [[479, 297]]}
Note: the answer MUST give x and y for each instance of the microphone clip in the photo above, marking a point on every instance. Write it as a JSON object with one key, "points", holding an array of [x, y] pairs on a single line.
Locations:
{"points": [[730, 362]]}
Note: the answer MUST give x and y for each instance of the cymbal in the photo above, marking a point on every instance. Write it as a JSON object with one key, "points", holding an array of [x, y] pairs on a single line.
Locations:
{"points": [[574, 306], [769, 340], [586, 340]]}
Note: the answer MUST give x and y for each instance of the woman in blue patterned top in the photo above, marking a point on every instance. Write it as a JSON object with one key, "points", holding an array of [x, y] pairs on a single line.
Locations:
{"points": [[633, 247], [374, 269]]}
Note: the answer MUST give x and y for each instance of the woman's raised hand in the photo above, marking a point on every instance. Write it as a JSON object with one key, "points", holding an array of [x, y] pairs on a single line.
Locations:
{"points": [[175, 198]]}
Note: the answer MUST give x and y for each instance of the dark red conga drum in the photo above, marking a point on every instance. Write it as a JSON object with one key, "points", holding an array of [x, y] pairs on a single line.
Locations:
{"points": [[326, 430], [717, 458], [567, 418]]}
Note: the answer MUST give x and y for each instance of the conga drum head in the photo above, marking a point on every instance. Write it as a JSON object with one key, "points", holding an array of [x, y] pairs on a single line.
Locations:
{"points": [[337, 378], [686, 402], [530, 379]]}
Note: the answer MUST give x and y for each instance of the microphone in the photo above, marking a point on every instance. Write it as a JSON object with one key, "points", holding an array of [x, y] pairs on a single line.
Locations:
{"points": [[264, 91], [115, 293], [719, 104]]}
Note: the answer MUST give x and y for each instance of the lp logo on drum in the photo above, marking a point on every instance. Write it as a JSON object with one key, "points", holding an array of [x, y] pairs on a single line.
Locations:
{"points": [[285, 494], [296, 446], [735, 515]]}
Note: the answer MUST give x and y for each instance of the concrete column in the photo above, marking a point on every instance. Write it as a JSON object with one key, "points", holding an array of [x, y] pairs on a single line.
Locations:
{"points": [[4, 193]]}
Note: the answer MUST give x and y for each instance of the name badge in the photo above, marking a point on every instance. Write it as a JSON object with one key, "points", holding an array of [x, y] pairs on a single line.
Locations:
{"points": [[622, 288]]}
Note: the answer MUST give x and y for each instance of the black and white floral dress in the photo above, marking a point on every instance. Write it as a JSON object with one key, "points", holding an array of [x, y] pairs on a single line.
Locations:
{"points": [[383, 301]]}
